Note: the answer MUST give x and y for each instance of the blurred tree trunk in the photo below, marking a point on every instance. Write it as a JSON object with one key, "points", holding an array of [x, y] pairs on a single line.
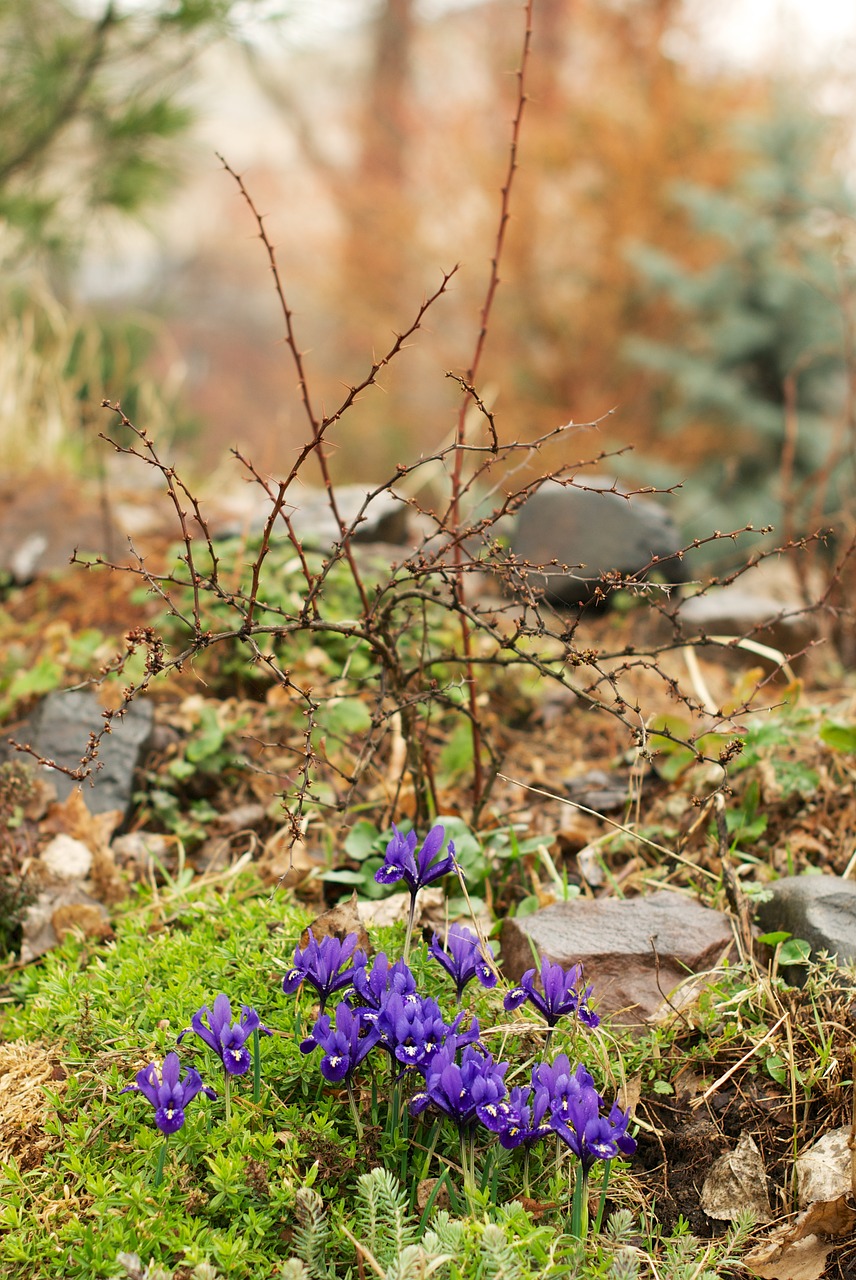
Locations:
{"points": [[375, 252]]}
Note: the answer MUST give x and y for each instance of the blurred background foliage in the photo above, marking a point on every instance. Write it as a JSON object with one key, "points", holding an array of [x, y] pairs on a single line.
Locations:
{"points": [[680, 249]]}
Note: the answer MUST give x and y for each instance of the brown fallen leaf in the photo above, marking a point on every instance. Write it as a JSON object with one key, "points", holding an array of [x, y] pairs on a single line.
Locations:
{"points": [[285, 864], [341, 920], [87, 917], [72, 817], [795, 1250], [792, 1260]]}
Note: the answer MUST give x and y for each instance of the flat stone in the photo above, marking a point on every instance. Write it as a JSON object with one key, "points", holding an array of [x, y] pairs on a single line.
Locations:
{"points": [[579, 535], [635, 951], [819, 909], [59, 730]]}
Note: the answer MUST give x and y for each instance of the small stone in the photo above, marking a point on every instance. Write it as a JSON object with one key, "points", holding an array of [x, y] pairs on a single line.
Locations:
{"points": [[594, 531], [67, 858]]}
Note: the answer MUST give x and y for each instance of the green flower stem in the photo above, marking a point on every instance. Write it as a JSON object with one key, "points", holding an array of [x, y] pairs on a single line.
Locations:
{"points": [[257, 1068], [356, 1115], [411, 917], [432, 1145], [579, 1206], [598, 1222], [227, 1095], [468, 1164], [160, 1163], [526, 1154]]}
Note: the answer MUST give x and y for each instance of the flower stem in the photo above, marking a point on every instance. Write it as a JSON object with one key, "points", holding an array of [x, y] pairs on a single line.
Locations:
{"points": [[257, 1068], [468, 1164], [579, 1207], [356, 1115], [602, 1202], [160, 1163], [227, 1096], [411, 917]]}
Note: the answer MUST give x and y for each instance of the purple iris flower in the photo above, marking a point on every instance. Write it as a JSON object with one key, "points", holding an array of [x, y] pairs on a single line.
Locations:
{"points": [[521, 1119], [459, 1091], [561, 994], [168, 1094], [576, 1113], [227, 1039], [402, 862], [344, 1046], [320, 963], [372, 985], [465, 959], [412, 1029]]}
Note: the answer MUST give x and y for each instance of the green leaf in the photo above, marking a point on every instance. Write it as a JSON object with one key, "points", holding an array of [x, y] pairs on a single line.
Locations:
{"points": [[362, 840], [343, 716], [841, 737], [796, 951], [773, 939], [663, 1087]]}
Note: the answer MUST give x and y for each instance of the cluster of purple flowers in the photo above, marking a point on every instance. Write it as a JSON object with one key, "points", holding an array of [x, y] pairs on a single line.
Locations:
{"points": [[563, 1101], [169, 1092], [382, 1008]]}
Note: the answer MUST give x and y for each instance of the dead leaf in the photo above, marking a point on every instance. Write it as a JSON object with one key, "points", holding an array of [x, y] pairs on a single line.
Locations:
{"points": [[338, 923], [795, 1251], [285, 864], [737, 1181], [799, 1260], [536, 1208], [88, 917], [823, 1170], [72, 817], [630, 1093], [828, 1218]]}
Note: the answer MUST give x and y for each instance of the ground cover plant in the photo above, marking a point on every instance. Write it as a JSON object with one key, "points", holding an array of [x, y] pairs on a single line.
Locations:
{"points": [[264, 1185], [213, 1090]]}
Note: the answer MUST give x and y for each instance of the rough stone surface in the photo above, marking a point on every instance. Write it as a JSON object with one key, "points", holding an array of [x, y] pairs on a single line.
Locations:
{"points": [[593, 533], [620, 944], [819, 909], [384, 520], [59, 730], [42, 523]]}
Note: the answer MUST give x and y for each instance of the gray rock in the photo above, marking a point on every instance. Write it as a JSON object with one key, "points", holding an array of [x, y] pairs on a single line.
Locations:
{"points": [[819, 909], [738, 610], [385, 518], [634, 951], [59, 730], [43, 522], [579, 535]]}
